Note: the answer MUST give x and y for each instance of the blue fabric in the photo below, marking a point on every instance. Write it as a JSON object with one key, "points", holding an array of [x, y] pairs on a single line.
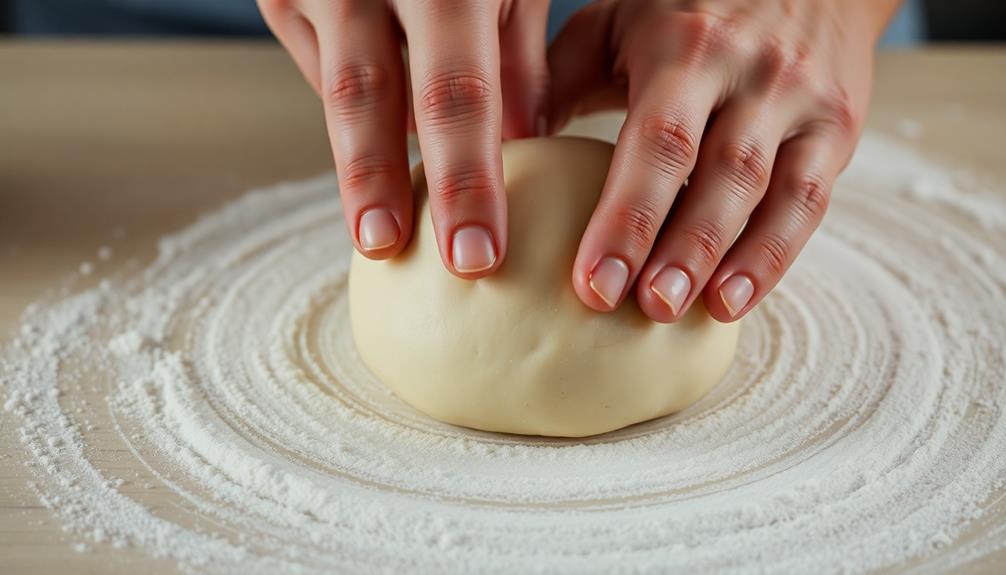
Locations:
{"points": [[241, 17], [908, 26], [137, 17], [560, 11]]}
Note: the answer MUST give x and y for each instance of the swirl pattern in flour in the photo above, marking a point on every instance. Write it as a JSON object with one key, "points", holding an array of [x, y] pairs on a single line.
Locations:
{"points": [[862, 425]]}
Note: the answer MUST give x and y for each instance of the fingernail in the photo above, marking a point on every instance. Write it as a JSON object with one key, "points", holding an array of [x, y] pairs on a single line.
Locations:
{"points": [[672, 286], [736, 292], [378, 229], [608, 279], [472, 249]]}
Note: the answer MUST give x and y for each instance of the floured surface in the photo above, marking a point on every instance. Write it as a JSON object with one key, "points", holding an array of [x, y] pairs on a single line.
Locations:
{"points": [[861, 427]]}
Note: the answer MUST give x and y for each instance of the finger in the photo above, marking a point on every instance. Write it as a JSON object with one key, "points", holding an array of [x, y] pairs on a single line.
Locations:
{"points": [[296, 35], [364, 99], [454, 60], [411, 120], [655, 152], [524, 70], [578, 63], [780, 226], [730, 178]]}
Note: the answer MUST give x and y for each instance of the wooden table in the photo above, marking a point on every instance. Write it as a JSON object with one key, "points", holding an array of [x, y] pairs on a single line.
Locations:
{"points": [[115, 144]]}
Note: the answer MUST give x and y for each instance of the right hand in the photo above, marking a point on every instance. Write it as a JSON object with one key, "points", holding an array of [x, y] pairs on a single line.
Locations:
{"points": [[478, 74]]}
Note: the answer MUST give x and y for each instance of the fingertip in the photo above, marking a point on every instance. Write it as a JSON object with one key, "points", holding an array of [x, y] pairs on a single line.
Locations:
{"points": [[470, 222], [380, 234], [652, 306], [731, 298], [378, 255], [469, 211], [474, 252], [664, 293], [603, 286], [587, 296]]}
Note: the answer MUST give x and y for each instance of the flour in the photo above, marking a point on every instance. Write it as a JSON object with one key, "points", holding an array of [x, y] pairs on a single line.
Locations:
{"points": [[909, 129], [861, 426]]}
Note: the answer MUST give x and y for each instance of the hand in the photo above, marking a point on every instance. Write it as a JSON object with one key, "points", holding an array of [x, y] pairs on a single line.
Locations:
{"points": [[478, 74], [756, 104]]}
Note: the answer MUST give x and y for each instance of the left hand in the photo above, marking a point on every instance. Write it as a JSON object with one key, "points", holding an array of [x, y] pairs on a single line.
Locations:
{"points": [[757, 103]]}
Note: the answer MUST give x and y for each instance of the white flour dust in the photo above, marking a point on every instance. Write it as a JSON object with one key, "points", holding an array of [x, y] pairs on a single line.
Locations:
{"points": [[862, 426]]}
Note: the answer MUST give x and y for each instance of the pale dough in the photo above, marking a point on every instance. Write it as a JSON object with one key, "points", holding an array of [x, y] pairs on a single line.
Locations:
{"points": [[518, 352]]}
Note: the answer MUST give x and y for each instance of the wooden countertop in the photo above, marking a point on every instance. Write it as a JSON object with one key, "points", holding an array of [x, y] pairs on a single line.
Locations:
{"points": [[116, 143]]}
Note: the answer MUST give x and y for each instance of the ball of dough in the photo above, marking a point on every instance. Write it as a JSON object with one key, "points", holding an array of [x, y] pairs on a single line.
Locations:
{"points": [[517, 352]]}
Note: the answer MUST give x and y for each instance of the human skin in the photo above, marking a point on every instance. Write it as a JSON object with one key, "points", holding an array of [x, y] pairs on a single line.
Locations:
{"points": [[741, 115]]}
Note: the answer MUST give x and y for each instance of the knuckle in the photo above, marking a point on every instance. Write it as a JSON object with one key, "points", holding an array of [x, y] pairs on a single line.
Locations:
{"points": [[362, 170], [705, 34], [776, 252], [732, 44], [745, 163], [668, 144], [774, 55], [457, 187], [785, 66], [705, 239], [840, 113], [456, 96], [639, 223], [355, 88], [812, 196]]}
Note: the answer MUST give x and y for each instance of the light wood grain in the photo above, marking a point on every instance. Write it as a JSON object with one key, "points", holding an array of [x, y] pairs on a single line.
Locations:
{"points": [[145, 136]]}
